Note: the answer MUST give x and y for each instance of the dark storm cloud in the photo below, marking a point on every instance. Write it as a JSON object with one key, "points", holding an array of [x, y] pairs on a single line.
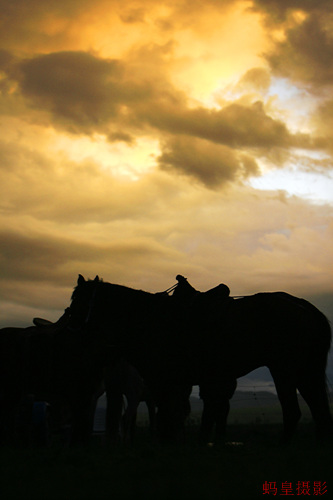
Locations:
{"points": [[40, 25], [85, 93], [121, 137], [278, 10], [322, 120], [35, 256], [133, 15], [211, 164], [31, 256], [305, 57], [82, 91], [234, 125], [22, 21], [5, 59], [7, 62], [22, 9], [306, 54]]}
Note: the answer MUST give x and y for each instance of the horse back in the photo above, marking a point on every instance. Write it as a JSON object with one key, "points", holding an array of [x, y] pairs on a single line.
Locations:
{"points": [[293, 316]]}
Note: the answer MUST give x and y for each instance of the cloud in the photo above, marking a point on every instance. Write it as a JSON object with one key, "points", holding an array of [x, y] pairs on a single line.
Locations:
{"points": [[278, 11], [211, 164], [133, 15], [5, 59], [31, 25], [121, 137], [55, 258], [305, 55], [83, 92], [255, 79], [234, 125], [50, 186], [250, 242], [86, 94], [323, 123], [184, 228]]}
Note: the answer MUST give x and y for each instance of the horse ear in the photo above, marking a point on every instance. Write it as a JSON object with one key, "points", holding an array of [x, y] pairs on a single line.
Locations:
{"points": [[80, 280], [96, 278]]}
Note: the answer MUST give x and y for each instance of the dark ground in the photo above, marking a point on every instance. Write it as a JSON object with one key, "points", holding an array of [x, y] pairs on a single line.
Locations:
{"points": [[236, 470]]}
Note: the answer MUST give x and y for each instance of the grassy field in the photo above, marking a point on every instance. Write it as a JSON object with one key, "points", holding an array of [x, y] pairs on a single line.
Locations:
{"points": [[236, 470]]}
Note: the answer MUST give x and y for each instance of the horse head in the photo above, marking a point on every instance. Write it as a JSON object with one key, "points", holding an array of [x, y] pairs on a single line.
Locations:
{"points": [[83, 301]]}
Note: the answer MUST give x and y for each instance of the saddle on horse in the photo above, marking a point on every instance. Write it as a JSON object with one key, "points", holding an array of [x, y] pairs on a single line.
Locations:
{"points": [[184, 290]]}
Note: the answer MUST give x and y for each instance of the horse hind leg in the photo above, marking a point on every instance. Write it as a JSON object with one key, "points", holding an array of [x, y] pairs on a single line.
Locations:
{"points": [[286, 391], [314, 392]]}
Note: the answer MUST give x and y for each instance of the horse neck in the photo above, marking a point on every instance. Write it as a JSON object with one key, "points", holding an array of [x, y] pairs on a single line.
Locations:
{"points": [[120, 310]]}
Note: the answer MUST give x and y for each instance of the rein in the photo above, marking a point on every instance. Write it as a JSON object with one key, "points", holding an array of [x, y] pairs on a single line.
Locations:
{"points": [[171, 289]]}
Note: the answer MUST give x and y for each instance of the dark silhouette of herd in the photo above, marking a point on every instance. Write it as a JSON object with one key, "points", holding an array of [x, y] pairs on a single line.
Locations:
{"points": [[154, 347]]}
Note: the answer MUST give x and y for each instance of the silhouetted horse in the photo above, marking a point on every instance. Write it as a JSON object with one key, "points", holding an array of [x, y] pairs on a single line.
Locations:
{"points": [[118, 378], [47, 364], [211, 344]]}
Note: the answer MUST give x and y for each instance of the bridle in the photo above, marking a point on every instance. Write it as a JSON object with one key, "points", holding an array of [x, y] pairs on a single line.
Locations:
{"points": [[86, 320], [91, 304]]}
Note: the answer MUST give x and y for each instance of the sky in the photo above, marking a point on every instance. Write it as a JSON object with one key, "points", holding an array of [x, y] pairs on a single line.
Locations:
{"points": [[141, 140]]}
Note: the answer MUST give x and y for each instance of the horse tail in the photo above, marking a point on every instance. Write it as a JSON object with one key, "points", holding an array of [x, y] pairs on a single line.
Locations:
{"points": [[328, 341], [323, 331], [322, 340], [313, 382]]}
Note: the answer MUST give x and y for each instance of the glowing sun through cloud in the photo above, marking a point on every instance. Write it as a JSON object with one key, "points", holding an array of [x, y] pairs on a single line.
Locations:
{"points": [[120, 160], [205, 61]]}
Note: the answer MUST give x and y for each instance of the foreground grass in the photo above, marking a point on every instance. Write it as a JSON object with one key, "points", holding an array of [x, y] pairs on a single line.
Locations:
{"points": [[151, 471]]}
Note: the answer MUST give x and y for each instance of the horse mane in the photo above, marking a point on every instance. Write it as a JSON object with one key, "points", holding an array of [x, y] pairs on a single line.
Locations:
{"points": [[110, 288]]}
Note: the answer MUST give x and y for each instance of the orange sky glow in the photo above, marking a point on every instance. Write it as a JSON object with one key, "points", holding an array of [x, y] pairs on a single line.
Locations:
{"points": [[140, 140]]}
